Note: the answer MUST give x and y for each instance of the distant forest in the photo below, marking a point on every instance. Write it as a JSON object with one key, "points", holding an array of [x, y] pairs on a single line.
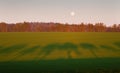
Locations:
{"points": [[57, 27]]}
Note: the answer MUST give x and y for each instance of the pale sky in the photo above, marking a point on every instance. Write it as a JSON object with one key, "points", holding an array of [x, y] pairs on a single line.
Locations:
{"points": [[87, 11]]}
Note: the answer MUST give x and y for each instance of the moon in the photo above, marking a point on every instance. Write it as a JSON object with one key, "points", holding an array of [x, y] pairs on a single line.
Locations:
{"points": [[72, 13]]}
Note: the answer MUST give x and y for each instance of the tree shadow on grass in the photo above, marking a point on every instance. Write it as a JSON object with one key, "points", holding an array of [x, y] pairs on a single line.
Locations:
{"points": [[117, 44], [1, 47], [69, 47], [90, 47], [109, 48], [46, 50], [12, 48], [27, 51]]}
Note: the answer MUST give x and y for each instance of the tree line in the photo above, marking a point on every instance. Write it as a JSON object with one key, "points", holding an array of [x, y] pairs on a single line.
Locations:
{"points": [[57, 27]]}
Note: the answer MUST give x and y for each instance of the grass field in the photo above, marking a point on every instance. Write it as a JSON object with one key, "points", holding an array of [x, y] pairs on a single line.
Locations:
{"points": [[57, 49]]}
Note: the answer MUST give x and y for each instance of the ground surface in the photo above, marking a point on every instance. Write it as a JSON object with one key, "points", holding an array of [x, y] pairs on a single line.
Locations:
{"points": [[58, 51]]}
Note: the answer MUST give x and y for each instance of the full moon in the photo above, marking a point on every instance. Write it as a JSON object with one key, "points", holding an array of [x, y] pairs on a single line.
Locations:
{"points": [[72, 13]]}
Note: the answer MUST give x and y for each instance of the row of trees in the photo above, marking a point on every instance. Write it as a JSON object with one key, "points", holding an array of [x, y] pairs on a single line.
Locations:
{"points": [[57, 27]]}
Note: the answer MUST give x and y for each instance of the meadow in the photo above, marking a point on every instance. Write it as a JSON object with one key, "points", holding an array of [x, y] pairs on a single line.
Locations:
{"points": [[58, 51]]}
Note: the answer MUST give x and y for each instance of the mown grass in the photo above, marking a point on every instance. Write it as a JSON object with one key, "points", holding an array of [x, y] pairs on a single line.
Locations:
{"points": [[58, 51]]}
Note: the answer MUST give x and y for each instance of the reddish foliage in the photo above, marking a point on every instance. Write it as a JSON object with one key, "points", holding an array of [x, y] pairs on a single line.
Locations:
{"points": [[57, 27]]}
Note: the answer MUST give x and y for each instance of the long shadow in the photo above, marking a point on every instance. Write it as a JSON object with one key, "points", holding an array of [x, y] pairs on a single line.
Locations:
{"points": [[69, 47], [46, 50], [109, 48], [117, 44], [1, 47], [27, 51], [12, 48], [90, 47]]}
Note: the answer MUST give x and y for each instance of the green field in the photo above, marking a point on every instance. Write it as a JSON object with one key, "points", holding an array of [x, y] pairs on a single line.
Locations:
{"points": [[71, 49]]}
